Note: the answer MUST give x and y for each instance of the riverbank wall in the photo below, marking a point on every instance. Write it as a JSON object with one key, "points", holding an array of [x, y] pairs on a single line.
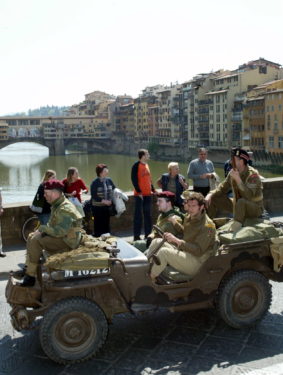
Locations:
{"points": [[15, 214]]}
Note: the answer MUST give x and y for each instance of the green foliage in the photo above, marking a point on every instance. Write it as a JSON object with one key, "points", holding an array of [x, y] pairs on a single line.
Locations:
{"points": [[45, 111]]}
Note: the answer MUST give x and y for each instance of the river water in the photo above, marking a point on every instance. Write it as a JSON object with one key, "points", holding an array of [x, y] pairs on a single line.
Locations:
{"points": [[22, 166]]}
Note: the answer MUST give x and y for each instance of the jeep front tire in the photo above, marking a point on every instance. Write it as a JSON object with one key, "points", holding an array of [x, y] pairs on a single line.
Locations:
{"points": [[243, 298], [73, 330]]}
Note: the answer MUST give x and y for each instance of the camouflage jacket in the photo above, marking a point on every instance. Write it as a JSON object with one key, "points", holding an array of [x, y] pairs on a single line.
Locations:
{"points": [[250, 188], [199, 235], [166, 226], [65, 222]]}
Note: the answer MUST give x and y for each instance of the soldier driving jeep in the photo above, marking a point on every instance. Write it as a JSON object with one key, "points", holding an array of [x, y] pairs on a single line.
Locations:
{"points": [[165, 203], [61, 233]]}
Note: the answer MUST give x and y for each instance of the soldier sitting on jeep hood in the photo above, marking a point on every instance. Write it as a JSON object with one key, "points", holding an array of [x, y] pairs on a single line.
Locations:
{"points": [[187, 255], [61, 233], [247, 192]]}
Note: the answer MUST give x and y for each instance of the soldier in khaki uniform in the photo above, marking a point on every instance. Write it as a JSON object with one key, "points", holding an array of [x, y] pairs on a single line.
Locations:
{"points": [[165, 204], [199, 236], [61, 233], [247, 188]]}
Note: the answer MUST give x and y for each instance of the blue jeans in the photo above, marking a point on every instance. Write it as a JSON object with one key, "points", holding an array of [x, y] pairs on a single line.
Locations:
{"points": [[142, 213]]}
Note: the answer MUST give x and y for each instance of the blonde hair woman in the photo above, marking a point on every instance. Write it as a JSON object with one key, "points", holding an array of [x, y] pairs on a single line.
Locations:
{"points": [[174, 182]]}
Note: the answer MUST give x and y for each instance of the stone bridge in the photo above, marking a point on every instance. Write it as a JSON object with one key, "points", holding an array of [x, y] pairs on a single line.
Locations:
{"points": [[57, 133], [57, 146]]}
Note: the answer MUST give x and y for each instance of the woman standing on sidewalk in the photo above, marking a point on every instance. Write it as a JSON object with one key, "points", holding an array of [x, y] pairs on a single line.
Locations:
{"points": [[101, 198]]}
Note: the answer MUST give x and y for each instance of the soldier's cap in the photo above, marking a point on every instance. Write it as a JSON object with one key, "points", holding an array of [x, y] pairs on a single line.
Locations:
{"points": [[54, 185], [240, 153], [186, 194], [166, 194]]}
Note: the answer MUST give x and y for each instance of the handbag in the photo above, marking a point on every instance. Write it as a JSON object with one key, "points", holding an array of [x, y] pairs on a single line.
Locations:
{"points": [[37, 204]]}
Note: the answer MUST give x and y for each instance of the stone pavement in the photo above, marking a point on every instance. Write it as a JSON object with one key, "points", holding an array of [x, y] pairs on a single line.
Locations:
{"points": [[188, 343], [15, 257]]}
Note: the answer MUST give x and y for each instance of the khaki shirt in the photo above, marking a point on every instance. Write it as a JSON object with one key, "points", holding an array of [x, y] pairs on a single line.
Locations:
{"points": [[166, 226], [65, 222], [250, 188], [199, 235]]}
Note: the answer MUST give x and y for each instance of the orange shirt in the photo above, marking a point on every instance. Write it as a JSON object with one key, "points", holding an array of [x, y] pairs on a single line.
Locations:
{"points": [[144, 179]]}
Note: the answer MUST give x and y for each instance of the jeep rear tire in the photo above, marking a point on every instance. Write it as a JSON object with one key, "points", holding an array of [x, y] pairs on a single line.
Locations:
{"points": [[73, 330], [243, 298]]}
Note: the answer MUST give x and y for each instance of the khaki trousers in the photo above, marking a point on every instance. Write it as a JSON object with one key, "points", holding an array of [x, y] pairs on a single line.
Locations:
{"points": [[36, 243], [243, 208], [180, 260]]}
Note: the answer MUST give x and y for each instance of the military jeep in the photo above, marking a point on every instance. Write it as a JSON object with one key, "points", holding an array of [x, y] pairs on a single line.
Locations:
{"points": [[77, 306]]}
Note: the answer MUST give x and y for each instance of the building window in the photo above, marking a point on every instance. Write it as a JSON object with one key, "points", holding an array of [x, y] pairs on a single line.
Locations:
{"points": [[280, 142], [268, 122], [271, 142]]}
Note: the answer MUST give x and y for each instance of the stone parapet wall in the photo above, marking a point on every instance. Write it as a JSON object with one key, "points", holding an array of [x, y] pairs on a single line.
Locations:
{"points": [[15, 214], [273, 195]]}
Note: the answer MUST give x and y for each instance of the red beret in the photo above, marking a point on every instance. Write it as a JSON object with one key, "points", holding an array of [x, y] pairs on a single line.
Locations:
{"points": [[166, 194], [54, 185]]}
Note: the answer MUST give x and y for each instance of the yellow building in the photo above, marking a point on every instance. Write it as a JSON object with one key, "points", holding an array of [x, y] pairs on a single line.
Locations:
{"points": [[141, 116], [263, 118], [4, 130], [253, 124], [274, 118], [226, 99]]}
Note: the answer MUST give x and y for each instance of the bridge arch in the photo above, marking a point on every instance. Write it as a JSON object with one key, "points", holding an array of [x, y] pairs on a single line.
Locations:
{"points": [[11, 141]]}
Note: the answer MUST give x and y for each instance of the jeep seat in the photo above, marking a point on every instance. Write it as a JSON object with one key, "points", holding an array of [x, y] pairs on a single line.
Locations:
{"points": [[172, 274]]}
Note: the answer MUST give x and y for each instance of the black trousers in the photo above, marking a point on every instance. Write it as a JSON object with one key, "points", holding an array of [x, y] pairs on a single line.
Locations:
{"points": [[142, 214], [203, 190], [101, 219]]}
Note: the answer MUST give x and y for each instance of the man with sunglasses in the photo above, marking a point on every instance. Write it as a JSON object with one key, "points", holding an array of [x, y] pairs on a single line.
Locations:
{"points": [[199, 239]]}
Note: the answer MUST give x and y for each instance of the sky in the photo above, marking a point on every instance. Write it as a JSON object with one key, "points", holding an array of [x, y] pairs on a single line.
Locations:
{"points": [[53, 52]]}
